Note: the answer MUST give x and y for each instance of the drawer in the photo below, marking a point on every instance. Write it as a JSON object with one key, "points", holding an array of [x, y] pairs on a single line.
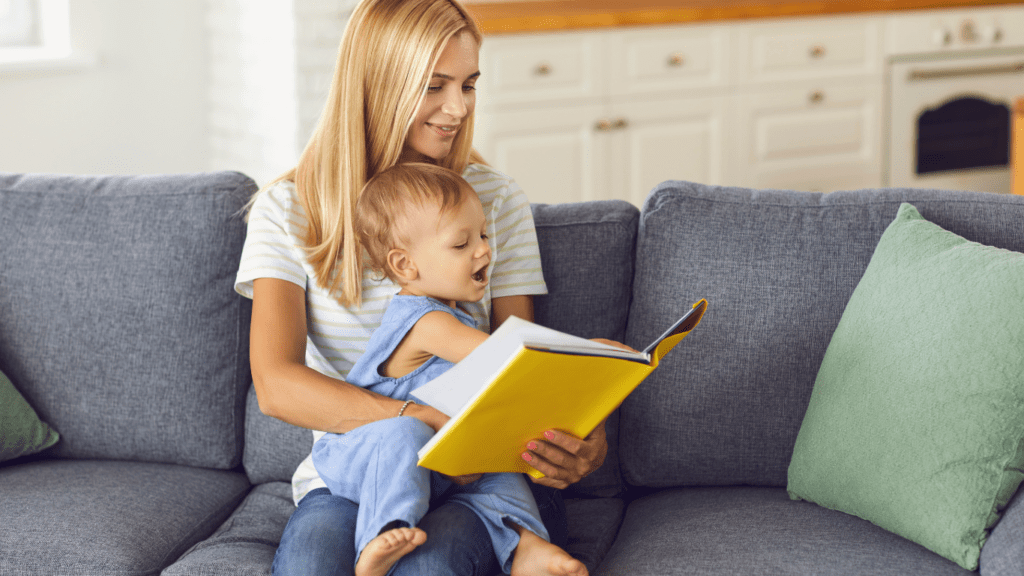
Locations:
{"points": [[808, 49], [667, 59], [540, 68]]}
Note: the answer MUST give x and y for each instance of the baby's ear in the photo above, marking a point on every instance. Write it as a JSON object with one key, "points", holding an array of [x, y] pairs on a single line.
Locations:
{"points": [[400, 264]]}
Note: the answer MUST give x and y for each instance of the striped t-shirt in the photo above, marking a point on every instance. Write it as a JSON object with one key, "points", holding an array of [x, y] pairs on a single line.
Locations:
{"points": [[338, 335]]}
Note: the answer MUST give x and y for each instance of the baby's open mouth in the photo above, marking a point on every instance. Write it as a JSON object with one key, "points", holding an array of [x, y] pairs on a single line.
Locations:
{"points": [[480, 275]]}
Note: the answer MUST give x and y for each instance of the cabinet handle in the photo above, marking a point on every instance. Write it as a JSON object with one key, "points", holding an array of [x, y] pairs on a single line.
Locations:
{"points": [[1015, 68], [943, 37], [542, 70], [817, 51], [605, 124], [968, 32], [816, 97], [676, 59]]}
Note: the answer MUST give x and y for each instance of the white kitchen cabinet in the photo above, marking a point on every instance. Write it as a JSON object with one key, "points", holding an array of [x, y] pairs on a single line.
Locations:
{"points": [[808, 104], [609, 114]]}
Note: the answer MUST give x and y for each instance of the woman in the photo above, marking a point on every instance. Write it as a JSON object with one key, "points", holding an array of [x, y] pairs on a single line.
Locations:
{"points": [[403, 91]]}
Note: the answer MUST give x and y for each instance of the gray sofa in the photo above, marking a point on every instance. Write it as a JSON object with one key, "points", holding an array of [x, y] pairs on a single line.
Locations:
{"points": [[119, 325]]}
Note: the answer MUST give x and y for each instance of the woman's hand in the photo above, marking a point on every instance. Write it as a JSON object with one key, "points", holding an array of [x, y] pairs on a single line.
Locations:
{"points": [[565, 459]]}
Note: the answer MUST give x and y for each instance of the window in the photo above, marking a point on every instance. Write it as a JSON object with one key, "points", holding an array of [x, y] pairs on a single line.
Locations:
{"points": [[34, 31]]}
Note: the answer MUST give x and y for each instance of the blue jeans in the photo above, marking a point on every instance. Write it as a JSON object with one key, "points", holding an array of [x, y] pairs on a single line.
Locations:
{"points": [[319, 539]]}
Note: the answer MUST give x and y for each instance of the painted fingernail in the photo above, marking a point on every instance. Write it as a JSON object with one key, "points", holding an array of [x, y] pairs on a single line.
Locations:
{"points": [[549, 435], [531, 445], [527, 457]]}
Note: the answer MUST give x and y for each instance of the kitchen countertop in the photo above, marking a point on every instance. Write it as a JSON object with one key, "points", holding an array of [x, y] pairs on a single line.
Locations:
{"points": [[552, 15]]}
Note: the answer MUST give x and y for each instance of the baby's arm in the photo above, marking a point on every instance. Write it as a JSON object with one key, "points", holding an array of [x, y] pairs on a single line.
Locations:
{"points": [[441, 334]]}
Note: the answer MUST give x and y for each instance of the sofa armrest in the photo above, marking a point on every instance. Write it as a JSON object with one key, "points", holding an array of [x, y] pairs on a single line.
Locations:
{"points": [[1003, 553]]}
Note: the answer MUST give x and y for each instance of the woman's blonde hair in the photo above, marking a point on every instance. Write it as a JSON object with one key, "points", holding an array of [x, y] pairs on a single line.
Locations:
{"points": [[385, 61], [384, 204]]}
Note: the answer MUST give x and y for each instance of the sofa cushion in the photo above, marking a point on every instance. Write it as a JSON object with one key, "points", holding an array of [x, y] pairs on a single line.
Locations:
{"points": [[118, 317], [916, 421], [1003, 554], [777, 269], [757, 530], [102, 517], [246, 542], [21, 430], [587, 253], [593, 525]]}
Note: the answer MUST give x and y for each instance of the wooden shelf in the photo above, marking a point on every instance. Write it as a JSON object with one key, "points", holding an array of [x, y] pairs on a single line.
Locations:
{"points": [[552, 15]]}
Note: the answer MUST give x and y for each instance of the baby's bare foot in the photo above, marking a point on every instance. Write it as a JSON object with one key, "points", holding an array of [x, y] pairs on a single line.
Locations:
{"points": [[387, 548], [538, 557]]}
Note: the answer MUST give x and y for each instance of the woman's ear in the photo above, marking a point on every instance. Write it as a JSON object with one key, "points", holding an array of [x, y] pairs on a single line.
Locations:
{"points": [[401, 265]]}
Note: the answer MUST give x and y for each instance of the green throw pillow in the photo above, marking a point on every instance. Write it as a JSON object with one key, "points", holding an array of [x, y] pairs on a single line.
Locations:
{"points": [[916, 421], [21, 430]]}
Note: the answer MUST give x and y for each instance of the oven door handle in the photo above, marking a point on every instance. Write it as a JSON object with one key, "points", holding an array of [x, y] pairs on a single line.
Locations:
{"points": [[917, 75]]}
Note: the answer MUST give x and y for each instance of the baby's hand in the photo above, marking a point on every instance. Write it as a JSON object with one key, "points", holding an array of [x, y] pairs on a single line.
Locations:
{"points": [[612, 343]]}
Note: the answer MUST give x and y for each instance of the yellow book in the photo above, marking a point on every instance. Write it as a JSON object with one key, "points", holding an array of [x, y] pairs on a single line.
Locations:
{"points": [[525, 379]]}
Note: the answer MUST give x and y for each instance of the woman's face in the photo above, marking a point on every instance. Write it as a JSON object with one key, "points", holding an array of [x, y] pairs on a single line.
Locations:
{"points": [[449, 101]]}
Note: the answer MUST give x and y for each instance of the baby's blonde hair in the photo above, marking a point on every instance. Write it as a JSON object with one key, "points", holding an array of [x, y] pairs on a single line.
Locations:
{"points": [[385, 61], [385, 201]]}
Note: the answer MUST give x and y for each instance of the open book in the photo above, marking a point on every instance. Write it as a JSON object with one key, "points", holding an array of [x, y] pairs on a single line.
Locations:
{"points": [[525, 379]]}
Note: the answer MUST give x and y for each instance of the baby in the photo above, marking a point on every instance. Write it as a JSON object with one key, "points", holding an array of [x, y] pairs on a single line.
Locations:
{"points": [[424, 227]]}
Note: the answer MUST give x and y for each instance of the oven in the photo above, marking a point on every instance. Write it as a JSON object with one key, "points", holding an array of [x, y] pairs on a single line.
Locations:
{"points": [[952, 80]]}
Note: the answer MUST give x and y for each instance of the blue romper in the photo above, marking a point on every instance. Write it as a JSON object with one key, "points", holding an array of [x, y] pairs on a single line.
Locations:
{"points": [[375, 465]]}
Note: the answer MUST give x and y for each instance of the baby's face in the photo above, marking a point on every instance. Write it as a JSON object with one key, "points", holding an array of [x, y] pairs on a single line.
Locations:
{"points": [[450, 251]]}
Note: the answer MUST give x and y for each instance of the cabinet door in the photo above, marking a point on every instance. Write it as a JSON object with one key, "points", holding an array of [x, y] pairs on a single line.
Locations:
{"points": [[677, 139], [813, 138], [554, 153]]}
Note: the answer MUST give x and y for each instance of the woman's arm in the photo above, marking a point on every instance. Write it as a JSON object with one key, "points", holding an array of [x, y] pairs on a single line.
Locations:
{"points": [[505, 306], [289, 390]]}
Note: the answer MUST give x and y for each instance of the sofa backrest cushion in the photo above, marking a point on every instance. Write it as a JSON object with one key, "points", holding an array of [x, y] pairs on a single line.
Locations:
{"points": [[777, 269], [118, 317], [273, 448], [587, 255]]}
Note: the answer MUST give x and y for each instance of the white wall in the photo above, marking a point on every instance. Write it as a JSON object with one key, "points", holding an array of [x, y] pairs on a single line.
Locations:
{"points": [[271, 66], [252, 98], [140, 108], [177, 86]]}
